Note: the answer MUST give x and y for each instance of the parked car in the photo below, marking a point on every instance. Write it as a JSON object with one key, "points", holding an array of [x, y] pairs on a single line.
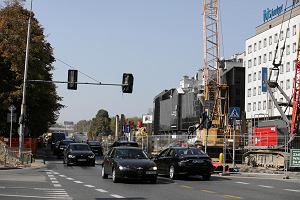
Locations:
{"points": [[79, 153], [125, 143], [96, 147], [60, 146], [175, 161], [128, 163]]}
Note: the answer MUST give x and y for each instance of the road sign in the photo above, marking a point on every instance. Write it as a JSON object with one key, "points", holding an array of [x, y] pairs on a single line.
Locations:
{"points": [[295, 158], [126, 128], [234, 112], [12, 108]]}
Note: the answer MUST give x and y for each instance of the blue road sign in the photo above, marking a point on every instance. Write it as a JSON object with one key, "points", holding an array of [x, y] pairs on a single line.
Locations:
{"points": [[234, 112], [126, 128]]}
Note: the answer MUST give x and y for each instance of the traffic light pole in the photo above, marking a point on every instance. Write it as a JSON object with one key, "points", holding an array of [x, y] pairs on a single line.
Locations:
{"points": [[83, 83]]}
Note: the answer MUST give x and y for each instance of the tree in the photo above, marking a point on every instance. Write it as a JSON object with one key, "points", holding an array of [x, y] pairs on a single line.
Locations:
{"points": [[82, 126], [42, 100], [100, 125]]}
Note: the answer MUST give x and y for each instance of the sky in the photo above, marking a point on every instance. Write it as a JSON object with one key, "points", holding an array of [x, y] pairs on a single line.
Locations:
{"points": [[158, 41]]}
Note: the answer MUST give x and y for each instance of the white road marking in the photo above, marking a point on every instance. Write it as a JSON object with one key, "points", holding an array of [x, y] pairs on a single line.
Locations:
{"points": [[117, 196], [52, 178], [50, 175], [101, 190], [54, 181], [57, 185], [59, 189], [48, 172], [55, 173], [78, 182], [90, 186], [70, 179], [291, 190], [266, 186], [244, 183], [56, 193], [26, 196], [61, 175], [2, 187]]}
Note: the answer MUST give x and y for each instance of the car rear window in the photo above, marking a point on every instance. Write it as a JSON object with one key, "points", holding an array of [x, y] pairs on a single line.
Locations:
{"points": [[189, 152], [129, 144], [130, 154]]}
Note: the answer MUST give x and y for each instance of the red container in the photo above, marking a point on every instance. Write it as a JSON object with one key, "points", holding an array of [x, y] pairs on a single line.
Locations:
{"points": [[265, 136]]}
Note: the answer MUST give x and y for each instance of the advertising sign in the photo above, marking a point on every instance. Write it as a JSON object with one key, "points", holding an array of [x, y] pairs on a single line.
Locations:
{"points": [[264, 79], [295, 158], [147, 119]]}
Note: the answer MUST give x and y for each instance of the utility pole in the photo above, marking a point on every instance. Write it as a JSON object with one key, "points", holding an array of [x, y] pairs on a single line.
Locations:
{"points": [[23, 105]]}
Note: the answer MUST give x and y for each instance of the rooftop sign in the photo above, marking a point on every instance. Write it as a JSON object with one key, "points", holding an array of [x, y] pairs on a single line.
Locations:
{"points": [[269, 14]]}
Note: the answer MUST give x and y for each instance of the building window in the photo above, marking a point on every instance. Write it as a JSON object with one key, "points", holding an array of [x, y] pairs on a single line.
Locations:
{"points": [[249, 63], [281, 51], [294, 47], [270, 40], [287, 32], [265, 58], [249, 78], [294, 30], [288, 84], [259, 75], [281, 84], [288, 67], [259, 45], [270, 56], [254, 62], [288, 50], [259, 105], [255, 46], [259, 90], [249, 49], [265, 42], [270, 104], [254, 91], [254, 76], [264, 105], [275, 38], [254, 106], [259, 60], [281, 69], [294, 65], [249, 92], [249, 107], [281, 35]]}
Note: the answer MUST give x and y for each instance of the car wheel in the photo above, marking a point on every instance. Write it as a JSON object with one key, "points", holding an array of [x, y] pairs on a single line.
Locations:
{"points": [[68, 164], [206, 177], [104, 176], [114, 176], [93, 164], [172, 174]]}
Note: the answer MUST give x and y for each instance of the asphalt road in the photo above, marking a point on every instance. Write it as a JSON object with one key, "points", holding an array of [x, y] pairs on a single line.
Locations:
{"points": [[57, 181]]}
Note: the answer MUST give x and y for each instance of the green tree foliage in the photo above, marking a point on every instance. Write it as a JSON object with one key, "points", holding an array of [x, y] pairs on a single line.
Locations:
{"points": [[42, 99], [100, 125], [82, 126]]}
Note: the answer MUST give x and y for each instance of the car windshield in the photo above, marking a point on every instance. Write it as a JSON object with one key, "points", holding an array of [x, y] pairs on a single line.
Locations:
{"points": [[80, 148], [189, 152], [94, 143], [130, 154]]}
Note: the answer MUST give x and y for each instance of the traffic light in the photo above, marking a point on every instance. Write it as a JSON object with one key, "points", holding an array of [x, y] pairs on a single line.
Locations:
{"points": [[72, 79], [127, 83]]}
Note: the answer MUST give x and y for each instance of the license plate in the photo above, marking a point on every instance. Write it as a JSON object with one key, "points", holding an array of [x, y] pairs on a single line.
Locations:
{"points": [[150, 172], [81, 159]]}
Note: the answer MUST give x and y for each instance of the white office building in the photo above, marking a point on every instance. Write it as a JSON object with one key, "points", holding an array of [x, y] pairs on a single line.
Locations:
{"points": [[259, 55]]}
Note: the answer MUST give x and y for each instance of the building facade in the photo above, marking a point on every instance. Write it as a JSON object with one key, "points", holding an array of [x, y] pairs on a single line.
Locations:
{"points": [[258, 62]]}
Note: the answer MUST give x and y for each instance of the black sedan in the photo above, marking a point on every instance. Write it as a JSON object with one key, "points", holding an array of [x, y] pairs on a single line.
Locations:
{"points": [[96, 147], [79, 153], [61, 146], [175, 161], [128, 163]]}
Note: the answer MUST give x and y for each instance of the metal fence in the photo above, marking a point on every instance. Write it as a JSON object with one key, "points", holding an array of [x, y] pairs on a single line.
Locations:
{"points": [[9, 157]]}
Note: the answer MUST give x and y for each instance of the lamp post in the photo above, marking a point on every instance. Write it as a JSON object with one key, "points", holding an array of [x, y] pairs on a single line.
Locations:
{"points": [[23, 105]]}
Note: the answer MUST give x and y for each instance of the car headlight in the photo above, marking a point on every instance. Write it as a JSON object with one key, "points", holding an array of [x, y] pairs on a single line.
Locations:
{"points": [[71, 156], [91, 156], [123, 168], [153, 168]]}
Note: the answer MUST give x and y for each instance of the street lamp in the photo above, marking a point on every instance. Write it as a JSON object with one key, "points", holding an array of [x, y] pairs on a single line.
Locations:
{"points": [[23, 105]]}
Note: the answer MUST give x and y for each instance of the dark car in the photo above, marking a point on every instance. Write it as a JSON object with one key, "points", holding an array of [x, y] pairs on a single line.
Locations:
{"points": [[60, 147], [79, 153], [125, 143], [128, 163], [96, 147], [186, 161], [55, 137]]}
